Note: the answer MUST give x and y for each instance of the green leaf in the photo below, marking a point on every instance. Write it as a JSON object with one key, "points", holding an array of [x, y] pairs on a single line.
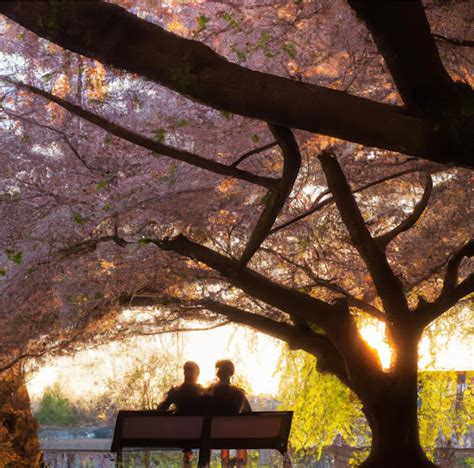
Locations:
{"points": [[290, 49], [101, 185], [264, 39], [227, 115], [78, 218], [241, 55], [160, 135], [231, 22], [3, 272], [182, 123], [268, 198], [202, 22], [14, 256], [255, 138], [143, 241], [106, 207], [47, 77]]}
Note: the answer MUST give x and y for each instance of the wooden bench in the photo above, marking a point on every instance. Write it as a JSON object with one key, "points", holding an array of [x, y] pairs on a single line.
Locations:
{"points": [[155, 429]]}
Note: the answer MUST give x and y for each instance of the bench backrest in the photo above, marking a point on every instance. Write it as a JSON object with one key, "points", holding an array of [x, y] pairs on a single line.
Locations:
{"points": [[137, 429]]}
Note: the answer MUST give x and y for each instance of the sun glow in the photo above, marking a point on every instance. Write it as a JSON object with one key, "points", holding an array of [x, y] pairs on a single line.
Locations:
{"points": [[255, 357], [451, 349], [374, 334]]}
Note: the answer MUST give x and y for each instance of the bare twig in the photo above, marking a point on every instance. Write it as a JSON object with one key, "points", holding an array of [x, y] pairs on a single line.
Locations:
{"points": [[252, 152], [384, 239]]}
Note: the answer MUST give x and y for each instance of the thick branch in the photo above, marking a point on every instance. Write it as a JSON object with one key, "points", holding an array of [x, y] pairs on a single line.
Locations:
{"points": [[384, 239], [351, 300], [329, 358], [452, 292], [110, 34], [402, 35], [276, 196], [286, 299], [428, 312], [387, 284], [452, 269], [150, 144]]}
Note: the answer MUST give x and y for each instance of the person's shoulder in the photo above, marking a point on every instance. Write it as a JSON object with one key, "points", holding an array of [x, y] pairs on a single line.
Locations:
{"points": [[237, 389], [173, 390]]}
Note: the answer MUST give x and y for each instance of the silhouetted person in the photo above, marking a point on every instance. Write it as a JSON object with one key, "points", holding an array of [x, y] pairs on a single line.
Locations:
{"points": [[188, 397], [227, 399]]}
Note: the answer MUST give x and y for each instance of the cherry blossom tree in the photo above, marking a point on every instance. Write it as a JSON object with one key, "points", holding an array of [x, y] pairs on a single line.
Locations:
{"points": [[289, 166]]}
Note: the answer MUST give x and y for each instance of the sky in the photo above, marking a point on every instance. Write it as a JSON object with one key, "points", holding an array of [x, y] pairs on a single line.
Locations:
{"points": [[254, 354], [255, 357]]}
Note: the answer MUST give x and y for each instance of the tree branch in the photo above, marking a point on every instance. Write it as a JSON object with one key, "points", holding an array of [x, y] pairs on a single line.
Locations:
{"points": [[277, 195], [20, 357], [150, 144], [110, 34], [319, 205], [452, 292], [329, 358], [90, 245], [351, 300], [456, 42], [384, 239], [387, 284], [252, 152], [325, 315], [402, 35], [59, 132]]}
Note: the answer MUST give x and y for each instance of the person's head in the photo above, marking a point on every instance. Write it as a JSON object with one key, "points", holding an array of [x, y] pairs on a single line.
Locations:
{"points": [[191, 371], [225, 369]]}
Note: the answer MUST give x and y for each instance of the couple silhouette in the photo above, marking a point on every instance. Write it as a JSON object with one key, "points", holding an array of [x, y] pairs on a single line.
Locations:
{"points": [[221, 398]]}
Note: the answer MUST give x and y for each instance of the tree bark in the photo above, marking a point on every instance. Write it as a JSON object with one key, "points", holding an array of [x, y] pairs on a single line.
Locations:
{"points": [[392, 414]]}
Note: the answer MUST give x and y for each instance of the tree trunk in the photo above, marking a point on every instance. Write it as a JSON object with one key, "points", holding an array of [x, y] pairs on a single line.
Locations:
{"points": [[392, 416], [19, 445], [395, 440]]}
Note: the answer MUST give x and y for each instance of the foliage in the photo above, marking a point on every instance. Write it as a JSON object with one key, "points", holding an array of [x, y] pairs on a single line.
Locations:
{"points": [[55, 409], [446, 409], [144, 382], [330, 217], [323, 407], [19, 446]]}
